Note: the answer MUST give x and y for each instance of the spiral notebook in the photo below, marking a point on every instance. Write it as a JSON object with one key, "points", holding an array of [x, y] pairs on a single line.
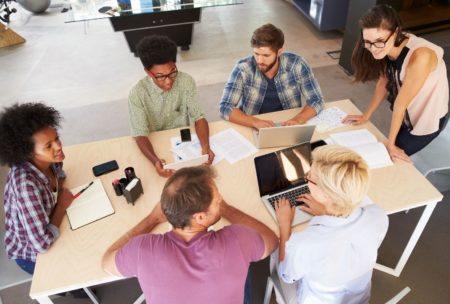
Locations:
{"points": [[93, 204]]}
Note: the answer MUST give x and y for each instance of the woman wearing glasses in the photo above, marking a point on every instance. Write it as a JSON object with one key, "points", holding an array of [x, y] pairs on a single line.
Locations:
{"points": [[411, 74], [164, 99], [331, 260]]}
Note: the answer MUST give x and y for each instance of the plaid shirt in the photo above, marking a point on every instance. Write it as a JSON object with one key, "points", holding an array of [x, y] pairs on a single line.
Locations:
{"points": [[29, 201], [247, 85]]}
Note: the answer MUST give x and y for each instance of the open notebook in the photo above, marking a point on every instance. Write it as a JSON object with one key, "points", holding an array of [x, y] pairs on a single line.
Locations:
{"points": [[365, 144], [92, 205]]}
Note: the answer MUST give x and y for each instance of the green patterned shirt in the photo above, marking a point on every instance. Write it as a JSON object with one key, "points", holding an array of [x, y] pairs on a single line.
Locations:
{"points": [[151, 109]]}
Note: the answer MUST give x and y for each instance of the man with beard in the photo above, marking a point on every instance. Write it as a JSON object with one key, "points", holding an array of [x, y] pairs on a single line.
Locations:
{"points": [[270, 81], [209, 266]]}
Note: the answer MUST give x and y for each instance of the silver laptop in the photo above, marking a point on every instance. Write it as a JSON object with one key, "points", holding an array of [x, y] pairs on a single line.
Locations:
{"points": [[282, 174], [282, 136]]}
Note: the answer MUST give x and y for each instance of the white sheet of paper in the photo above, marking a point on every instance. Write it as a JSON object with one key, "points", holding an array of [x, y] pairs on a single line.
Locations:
{"points": [[196, 161], [93, 204], [231, 145], [364, 143], [189, 150], [328, 119], [375, 154], [354, 138], [228, 144]]}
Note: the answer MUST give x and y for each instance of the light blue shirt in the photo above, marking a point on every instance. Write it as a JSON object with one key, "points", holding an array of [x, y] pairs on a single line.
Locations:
{"points": [[333, 257]]}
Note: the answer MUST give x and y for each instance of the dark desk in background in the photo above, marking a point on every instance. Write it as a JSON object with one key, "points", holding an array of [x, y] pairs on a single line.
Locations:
{"points": [[140, 18]]}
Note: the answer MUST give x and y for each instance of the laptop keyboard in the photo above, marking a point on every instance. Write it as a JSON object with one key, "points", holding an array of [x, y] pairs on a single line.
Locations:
{"points": [[290, 195]]}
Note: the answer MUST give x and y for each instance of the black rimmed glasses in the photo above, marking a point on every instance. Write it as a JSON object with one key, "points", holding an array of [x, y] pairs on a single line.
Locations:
{"points": [[171, 75], [308, 178], [378, 44]]}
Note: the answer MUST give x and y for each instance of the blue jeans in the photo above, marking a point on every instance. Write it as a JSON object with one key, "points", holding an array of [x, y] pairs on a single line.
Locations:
{"points": [[27, 266]]}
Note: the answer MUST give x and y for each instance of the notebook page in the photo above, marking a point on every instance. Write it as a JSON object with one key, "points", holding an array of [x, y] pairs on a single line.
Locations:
{"points": [[353, 138], [375, 154], [91, 205]]}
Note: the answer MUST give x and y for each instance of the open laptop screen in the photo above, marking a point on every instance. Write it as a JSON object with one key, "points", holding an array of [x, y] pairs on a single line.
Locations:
{"points": [[284, 169]]}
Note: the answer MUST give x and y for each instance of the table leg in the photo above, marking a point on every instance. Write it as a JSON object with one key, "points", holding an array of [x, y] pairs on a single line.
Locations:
{"points": [[88, 290], [91, 295], [411, 243], [140, 300], [44, 300]]}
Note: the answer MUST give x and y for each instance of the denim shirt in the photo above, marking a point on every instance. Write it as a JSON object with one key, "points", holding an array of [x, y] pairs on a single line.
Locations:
{"points": [[247, 86]]}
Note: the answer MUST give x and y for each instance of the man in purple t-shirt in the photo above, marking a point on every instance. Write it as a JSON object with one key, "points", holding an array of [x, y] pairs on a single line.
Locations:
{"points": [[191, 264]]}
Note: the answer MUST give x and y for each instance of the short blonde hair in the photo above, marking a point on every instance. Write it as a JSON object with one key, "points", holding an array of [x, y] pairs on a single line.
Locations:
{"points": [[343, 176]]}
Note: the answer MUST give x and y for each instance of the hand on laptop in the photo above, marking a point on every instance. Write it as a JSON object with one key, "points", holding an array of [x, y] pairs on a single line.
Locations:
{"points": [[312, 206], [292, 122], [261, 123], [285, 212]]}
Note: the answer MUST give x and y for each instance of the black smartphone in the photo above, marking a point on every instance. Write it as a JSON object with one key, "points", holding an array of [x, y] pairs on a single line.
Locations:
{"points": [[104, 9], [185, 135], [317, 143], [105, 168]]}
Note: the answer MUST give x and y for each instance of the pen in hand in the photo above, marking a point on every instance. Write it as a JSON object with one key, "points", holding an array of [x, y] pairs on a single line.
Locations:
{"points": [[82, 190]]}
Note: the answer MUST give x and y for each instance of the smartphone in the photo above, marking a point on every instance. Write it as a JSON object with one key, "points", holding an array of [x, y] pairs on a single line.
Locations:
{"points": [[105, 168], [185, 135], [317, 143]]}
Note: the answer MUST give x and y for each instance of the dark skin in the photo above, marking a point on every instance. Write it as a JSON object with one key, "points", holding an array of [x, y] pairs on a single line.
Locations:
{"points": [[146, 147], [201, 125], [48, 150]]}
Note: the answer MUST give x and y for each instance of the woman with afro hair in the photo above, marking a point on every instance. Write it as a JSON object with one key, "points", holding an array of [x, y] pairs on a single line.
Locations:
{"points": [[35, 200]]}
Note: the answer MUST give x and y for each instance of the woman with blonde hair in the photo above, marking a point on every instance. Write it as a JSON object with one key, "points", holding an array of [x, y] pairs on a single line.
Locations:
{"points": [[331, 261]]}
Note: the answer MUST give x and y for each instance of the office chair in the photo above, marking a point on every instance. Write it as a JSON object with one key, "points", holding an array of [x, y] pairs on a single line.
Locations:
{"points": [[435, 157], [139, 300], [273, 283], [399, 297]]}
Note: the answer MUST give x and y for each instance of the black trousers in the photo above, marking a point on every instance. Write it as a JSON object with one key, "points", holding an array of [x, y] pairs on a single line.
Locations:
{"points": [[413, 143]]}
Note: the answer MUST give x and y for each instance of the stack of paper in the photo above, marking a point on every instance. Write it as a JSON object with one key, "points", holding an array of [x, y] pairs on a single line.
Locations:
{"points": [[232, 146], [365, 144], [189, 150], [228, 144], [92, 205]]}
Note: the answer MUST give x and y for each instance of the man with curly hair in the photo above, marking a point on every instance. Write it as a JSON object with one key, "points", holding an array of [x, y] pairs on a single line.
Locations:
{"points": [[35, 200], [165, 99]]}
